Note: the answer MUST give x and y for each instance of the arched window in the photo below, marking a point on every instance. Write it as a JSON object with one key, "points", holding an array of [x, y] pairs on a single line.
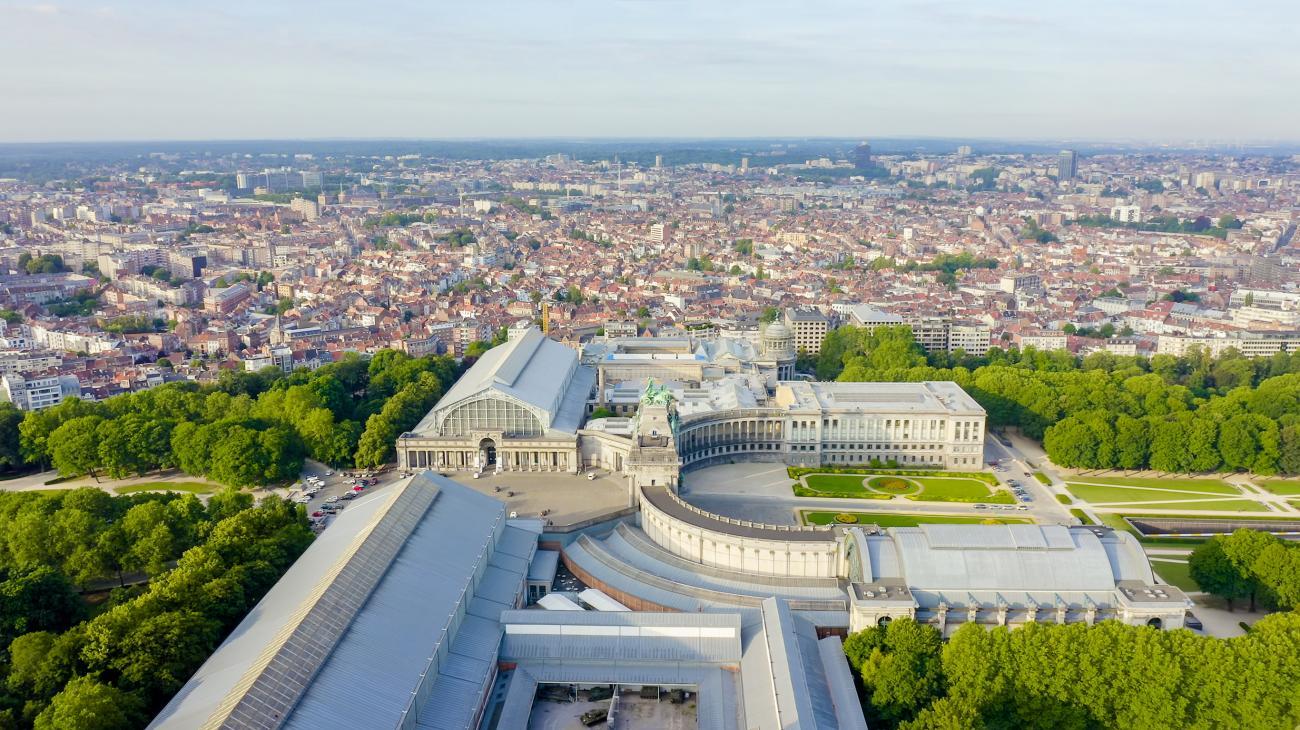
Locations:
{"points": [[883, 621], [491, 414], [1156, 623]]}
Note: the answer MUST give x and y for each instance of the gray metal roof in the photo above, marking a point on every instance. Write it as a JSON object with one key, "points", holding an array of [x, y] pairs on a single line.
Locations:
{"points": [[621, 637], [396, 603], [544, 566], [531, 369], [259, 672], [791, 682], [411, 621], [665, 501], [1005, 558]]}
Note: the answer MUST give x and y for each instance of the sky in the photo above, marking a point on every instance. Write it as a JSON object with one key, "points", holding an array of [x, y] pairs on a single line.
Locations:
{"points": [[1148, 70]]}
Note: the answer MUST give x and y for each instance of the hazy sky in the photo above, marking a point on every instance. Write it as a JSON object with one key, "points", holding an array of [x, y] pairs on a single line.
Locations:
{"points": [[1094, 69]]}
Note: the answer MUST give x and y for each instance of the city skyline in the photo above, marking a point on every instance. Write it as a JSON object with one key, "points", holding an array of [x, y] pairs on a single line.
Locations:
{"points": [[94, 72]]}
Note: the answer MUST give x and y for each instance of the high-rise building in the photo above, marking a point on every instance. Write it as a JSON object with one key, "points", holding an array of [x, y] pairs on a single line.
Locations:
{"points": [[657, 233], [744, 164], [311, 178], [1067, 165], [862, 156], [809, 327], [659, 162], [964, 151], [244, 181]]}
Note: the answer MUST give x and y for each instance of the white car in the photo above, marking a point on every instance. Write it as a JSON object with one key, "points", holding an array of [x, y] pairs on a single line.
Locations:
{"points": [[329, 473], [302, 499], [332, 500]]}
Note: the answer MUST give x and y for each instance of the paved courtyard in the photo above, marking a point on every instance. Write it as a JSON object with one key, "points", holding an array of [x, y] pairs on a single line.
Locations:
{"points": [[569, 497]]}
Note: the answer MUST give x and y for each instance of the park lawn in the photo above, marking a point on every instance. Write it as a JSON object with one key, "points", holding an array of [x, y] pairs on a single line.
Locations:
{"points": [[1280, 486], [1175, 573], [837, 484], [901, 520], [1209, 486], [940, 489], [1238, 505], [190, 487], [1100, 495], [1042, 478]]}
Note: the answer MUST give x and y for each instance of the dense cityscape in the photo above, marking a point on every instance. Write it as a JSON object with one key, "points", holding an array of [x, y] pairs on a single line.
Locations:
{"points": [[649, 366], [1072, 375], [167, 266]]}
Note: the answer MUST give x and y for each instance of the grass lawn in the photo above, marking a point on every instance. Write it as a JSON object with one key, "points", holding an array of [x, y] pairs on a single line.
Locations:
{"points": [[1083, 516], [901, 520], [1210, 486], [942, 489], [1280, 486], [1238, 505], [1099, 495], [1042, 478], [1063, 499], [836, 483], [191, 487], [1174, 573]]}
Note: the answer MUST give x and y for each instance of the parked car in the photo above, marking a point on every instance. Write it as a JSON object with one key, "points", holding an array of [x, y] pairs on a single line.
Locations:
{"points": [[332, 500], [349, 495], [302, 499]]}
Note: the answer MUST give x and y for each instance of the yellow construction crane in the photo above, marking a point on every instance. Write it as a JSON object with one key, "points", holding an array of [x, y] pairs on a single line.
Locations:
{"points": [[546, 318]]}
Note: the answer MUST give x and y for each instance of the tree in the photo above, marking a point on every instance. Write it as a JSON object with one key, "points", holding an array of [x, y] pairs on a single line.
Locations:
{"points": [[601, 412], [1289, 450], [11, 420], [75, 446], [900, 667], [1215, 573], [36, 599], [88, 704]]}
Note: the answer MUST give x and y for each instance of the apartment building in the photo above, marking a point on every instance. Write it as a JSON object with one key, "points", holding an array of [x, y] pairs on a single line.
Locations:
{"points": [[37, 393]]}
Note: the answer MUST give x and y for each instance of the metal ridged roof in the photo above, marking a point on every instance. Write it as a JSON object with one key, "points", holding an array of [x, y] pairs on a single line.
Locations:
{"points": [[984, 557], [532, 369], [396, 602]]}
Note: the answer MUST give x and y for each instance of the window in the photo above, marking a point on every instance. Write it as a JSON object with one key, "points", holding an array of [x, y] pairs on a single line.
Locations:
{"points": [[491, 414]]}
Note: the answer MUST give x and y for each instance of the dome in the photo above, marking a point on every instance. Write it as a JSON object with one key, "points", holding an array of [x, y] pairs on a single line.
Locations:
{"points": [[777, 331]]}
